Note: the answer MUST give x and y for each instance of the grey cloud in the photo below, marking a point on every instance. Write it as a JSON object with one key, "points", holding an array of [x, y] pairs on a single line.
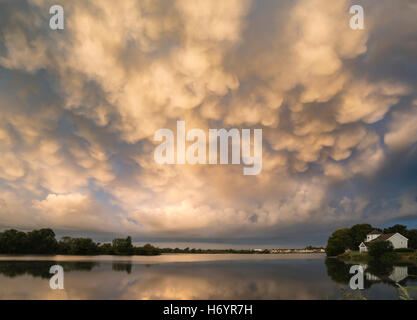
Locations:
{"points": [[79, 109]]}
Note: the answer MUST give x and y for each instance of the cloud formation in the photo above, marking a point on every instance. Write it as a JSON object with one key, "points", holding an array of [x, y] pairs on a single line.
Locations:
{"points": [[79, 109]]}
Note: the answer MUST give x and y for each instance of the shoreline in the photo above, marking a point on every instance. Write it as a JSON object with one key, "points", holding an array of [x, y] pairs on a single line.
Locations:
{"points": [[409, 258], [163, 258]]}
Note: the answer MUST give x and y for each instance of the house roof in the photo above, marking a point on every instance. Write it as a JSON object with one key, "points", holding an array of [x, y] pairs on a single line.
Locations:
{"points": [[382, 237], [375, 232]]}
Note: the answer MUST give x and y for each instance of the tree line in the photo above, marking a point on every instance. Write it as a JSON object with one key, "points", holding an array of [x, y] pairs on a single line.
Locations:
{"points": [[351, 238], [43, 241]]}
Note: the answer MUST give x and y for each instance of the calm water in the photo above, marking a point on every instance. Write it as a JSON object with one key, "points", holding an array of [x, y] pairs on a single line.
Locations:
{"points": [[200, 276]]}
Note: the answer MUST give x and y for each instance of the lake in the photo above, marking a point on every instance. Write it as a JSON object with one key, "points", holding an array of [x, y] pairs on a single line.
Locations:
{"points": [[195, 276]]}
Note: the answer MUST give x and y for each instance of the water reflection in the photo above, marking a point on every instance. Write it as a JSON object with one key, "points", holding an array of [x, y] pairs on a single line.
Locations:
{"points": [[40, 269], [375, 273], [279, 277], [206, 278], [124, 267], [388, 274]]}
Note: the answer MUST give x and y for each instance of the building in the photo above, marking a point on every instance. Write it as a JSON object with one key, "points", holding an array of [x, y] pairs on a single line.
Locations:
{"points": [[398, 241]]}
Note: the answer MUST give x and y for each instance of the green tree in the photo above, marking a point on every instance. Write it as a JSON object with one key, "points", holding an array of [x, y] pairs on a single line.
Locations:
{"points": [[84, 246], [13, 242], [64, 245], [106, 248], [78, 246], [401, 229], [412, 238], [379, 249], [122, 246], [339, 241], [147, 250], [42, 241], [358, 233]]}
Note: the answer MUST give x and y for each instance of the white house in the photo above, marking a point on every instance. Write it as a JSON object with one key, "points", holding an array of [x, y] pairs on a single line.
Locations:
{"points": [[398, 241]]}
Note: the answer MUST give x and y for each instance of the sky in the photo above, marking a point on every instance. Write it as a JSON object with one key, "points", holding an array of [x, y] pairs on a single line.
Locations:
{"points": [[79, 108]]}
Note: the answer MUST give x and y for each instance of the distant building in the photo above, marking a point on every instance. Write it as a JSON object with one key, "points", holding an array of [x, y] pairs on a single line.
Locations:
{"points": [[314, 250], [398, 241]]}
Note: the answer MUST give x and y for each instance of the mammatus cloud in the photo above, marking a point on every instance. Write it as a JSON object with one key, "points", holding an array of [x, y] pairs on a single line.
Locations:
{"points": [[79, 109], [403, 132]]}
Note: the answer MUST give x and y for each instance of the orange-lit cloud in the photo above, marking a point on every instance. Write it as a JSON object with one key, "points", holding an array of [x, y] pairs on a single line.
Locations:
{"points": [[79, 109]]}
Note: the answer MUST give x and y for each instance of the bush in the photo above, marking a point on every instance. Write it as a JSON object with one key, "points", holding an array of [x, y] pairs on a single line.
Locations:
{"points": [[388, 258], [378, 248]]}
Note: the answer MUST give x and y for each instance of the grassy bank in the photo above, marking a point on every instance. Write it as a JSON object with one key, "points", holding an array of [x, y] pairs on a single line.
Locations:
{"points": [[354, 257], [357, 257]]}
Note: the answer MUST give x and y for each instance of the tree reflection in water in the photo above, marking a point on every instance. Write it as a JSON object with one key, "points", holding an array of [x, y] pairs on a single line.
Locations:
{"points": [[40, 269], [375, 273], [126, 266]]}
